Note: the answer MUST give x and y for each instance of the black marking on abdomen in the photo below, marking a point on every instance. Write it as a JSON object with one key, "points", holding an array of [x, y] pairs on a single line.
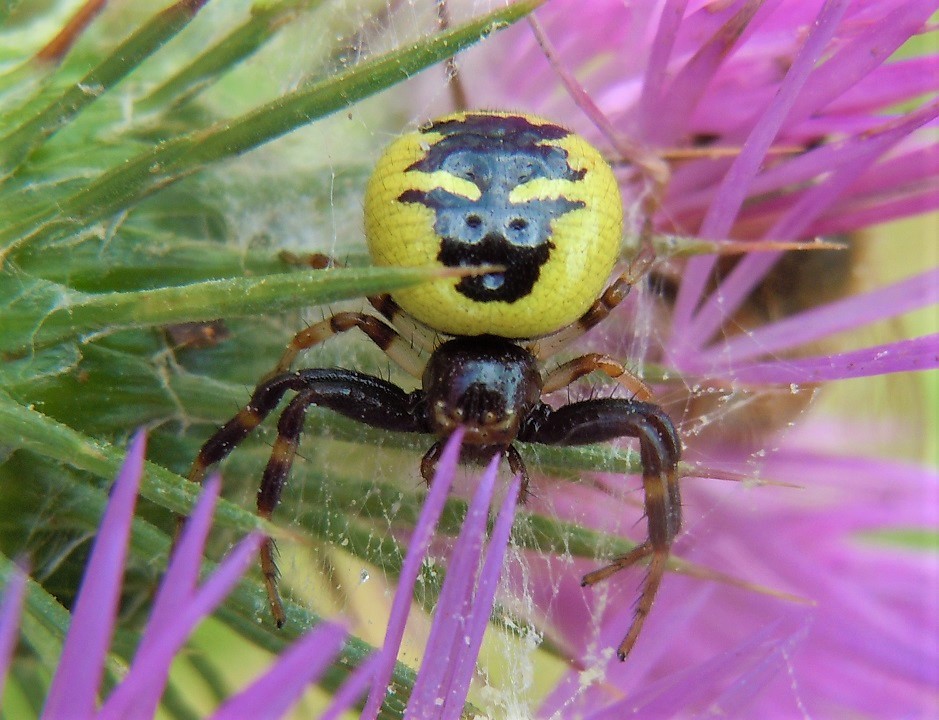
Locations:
{"points": [[497, 154]]}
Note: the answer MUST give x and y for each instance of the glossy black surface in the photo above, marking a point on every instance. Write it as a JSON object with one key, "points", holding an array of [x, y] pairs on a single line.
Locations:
{"points": [[485, 383]]}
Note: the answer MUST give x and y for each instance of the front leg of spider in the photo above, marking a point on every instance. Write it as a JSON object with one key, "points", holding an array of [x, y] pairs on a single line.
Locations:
{"points": [[600, 420], [367, 399], [516, 467]]}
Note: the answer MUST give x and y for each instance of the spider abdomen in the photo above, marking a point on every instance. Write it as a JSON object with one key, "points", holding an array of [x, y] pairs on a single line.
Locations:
{"points": [[489, 188]]}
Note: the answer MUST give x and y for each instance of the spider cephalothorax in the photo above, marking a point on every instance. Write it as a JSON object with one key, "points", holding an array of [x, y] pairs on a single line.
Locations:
{"points": [[470, 190], [487, 384]]}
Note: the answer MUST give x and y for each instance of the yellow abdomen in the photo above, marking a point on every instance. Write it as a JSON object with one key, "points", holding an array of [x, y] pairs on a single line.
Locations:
{"points": [[493, 188]]}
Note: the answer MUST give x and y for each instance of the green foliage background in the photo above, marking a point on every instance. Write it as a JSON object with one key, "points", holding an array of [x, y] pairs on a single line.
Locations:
{"points": [[123, 189]]}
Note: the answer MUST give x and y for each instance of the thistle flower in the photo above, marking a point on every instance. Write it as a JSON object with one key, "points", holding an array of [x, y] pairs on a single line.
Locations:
{"points": [[441, 687], [115, 223], [180, 605], [792, 120], [466, 600]]}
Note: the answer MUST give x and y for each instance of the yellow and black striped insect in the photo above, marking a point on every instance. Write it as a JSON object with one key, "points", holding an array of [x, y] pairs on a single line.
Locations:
{"points": [[541, 207]]}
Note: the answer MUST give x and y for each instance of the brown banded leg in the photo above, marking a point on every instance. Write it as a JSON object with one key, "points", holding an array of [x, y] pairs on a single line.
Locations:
{"points": [[418, 334], [429, 462], [600, 420], [650, 586], [517, 467], [264, 399], [289, 427], [362, 397], [458, 95], [317, 261], [565, 374], [384, 336], [615, 293]]}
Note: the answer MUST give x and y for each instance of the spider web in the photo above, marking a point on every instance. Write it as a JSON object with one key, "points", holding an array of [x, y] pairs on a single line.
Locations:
{"points": [[359, 488], [321, 213], [353, 493]]}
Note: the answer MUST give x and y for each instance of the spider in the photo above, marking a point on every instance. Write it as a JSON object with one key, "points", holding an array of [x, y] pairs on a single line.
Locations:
{"points": [[540, 206]]}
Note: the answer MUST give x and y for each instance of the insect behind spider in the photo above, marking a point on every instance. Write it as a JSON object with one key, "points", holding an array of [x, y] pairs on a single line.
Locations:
{"points": [[538, 202]]}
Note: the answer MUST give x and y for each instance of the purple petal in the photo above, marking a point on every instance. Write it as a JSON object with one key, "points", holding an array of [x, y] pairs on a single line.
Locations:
{"points": [[692, 80], [78, 676], [10, 610], [913, 168], [420, 541], [453, 607], [734, 187], [900, 186], [139, 693], [657, 66], [860, 57], [920, 353], [182, 573], [483, 602], [908, 170], [167, 627], [751, 269], [905, 296], [694, 693], [352, 689], [867, 652], [270, 696], [893, 83], [925, 200]]}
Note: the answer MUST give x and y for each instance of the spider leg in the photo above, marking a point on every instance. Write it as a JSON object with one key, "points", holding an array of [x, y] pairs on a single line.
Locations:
{"points": [[417, 333], [650, 586], [264, 399], [516, 466], [614, 294], [599, 420], [362, 397], [383, 335], [429, 462], [458, 96], [565, 374], [617, 291]]}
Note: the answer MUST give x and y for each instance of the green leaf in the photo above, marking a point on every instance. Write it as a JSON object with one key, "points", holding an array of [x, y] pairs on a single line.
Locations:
{"points": [[209, 66], [179, 157], [39, 312], [22, 427], [109, 245], [18, 144]]}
